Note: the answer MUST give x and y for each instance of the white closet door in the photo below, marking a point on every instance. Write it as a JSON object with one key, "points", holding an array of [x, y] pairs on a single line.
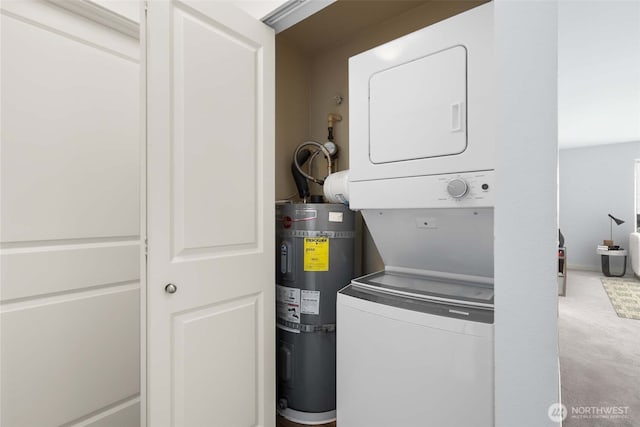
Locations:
{"points": [[69, 216], [210, 216]]}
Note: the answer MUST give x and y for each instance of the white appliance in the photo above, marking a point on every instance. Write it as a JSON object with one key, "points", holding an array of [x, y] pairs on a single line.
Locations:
{"points": [[415, 341], [634, 252], [412, 363]]}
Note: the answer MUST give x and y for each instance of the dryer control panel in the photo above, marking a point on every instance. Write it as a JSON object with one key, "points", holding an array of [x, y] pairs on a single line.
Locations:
{"points": [[452, 190], [476, 186]]}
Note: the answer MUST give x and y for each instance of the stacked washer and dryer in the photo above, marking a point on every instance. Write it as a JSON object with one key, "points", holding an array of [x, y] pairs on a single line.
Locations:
{"points": [[415, 341]]}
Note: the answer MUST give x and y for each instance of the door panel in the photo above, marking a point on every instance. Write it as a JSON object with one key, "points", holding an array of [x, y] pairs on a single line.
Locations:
{"points": [[215, 122], [58, 358], [232, 328], [84, 84], [210, 215]]}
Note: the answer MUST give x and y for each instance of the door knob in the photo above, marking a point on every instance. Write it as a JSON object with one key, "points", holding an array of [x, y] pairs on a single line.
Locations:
{"points": [[170, 288]]}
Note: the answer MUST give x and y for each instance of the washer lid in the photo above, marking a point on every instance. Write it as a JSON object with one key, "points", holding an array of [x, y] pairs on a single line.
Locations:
{"points": [[431, 288], [467, 313], [456, 240]]}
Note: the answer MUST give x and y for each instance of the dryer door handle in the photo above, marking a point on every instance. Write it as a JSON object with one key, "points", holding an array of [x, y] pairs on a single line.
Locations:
{"points": [[457, 117]]}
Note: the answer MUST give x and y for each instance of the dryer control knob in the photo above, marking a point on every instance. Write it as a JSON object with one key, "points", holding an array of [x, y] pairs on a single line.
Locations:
{"points": [[457, 188]]}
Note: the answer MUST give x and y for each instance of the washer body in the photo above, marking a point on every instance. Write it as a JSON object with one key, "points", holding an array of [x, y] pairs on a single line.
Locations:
{"points": [[408, 361]]}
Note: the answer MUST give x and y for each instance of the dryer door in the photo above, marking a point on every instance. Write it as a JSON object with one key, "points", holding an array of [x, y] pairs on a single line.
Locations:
{"points": [[418, 109]]}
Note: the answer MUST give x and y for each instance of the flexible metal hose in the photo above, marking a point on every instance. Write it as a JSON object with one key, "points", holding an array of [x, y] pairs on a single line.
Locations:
{"points": [[320, 148]]}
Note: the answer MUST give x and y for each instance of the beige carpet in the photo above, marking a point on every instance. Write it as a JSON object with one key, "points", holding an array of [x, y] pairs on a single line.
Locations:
{"points": [[624, 294], [599, 354]]}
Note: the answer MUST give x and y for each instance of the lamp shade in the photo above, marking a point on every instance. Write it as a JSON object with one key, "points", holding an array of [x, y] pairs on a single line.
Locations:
{"points": [[617, 221]]}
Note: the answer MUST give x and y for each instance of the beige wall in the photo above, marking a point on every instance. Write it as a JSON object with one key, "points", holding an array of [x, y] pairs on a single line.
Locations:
{"points": [[292, 117], [325, 75]]}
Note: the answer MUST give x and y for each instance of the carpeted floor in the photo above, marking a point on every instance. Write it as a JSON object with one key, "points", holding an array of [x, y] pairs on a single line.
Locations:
{"points": [[599, 357]]}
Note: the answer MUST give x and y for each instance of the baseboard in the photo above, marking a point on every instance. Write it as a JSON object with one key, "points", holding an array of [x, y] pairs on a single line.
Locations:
{"points": [[583, 267], [595, 269], [123, 414]]}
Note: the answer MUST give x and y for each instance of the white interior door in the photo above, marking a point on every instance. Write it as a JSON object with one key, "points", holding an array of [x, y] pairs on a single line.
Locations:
{"points": [[69, 216], [210, 216]]}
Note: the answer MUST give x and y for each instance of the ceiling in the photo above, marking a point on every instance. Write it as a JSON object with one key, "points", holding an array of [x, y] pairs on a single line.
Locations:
{"points": [[598, 72], [343, 20]]}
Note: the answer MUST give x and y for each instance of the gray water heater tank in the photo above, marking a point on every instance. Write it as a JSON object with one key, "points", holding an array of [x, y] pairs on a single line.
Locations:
{"points": [[315, 257]]}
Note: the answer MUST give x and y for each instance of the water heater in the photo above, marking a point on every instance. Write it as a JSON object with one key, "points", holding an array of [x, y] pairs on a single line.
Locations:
{"points": [[315, 257]]}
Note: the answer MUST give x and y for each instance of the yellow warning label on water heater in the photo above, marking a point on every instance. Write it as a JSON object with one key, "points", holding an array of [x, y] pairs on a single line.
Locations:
{"points": [[316, 254]]}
